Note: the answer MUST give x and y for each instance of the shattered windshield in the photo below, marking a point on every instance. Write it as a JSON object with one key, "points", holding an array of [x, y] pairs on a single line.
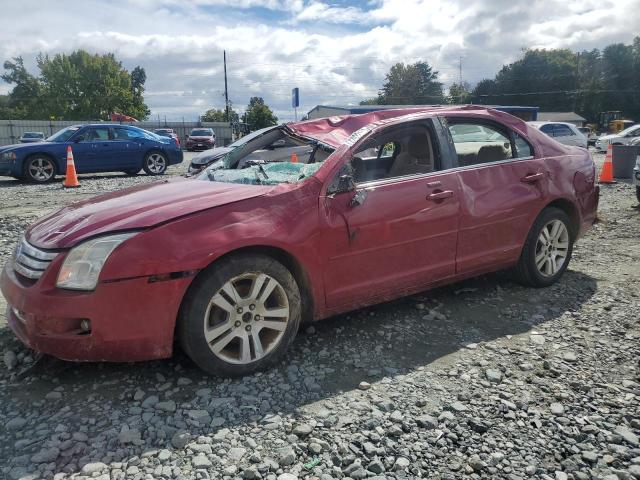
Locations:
{"points": [[270, 157]]}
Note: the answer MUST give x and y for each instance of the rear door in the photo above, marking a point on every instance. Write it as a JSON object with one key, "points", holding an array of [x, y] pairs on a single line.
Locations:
{"points": [[127, 148], [395, 232], [505, 186]]}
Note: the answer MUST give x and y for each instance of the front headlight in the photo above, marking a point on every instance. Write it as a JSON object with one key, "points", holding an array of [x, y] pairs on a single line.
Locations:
{"points": [[82, 267], [9, 156]]}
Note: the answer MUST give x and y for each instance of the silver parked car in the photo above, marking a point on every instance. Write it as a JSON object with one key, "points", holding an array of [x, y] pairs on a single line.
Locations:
{"points": [[563, 132], [625, 137], [32, 137]]}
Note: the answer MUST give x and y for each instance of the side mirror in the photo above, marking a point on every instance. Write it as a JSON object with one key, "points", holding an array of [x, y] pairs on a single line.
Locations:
{"points": [[344, 181]]}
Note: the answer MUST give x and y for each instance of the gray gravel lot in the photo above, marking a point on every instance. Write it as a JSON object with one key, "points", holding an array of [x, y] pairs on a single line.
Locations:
{"points": [[483, 379]]}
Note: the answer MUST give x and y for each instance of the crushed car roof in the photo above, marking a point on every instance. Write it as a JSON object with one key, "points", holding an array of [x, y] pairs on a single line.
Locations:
{"points": [[335, 131]]}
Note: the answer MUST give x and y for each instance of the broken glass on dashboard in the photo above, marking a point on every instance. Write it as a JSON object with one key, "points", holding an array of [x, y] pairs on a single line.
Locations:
{"points": [[270, 158]]}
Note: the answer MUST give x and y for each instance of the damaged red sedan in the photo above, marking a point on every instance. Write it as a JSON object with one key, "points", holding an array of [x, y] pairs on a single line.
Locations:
{"points": [[365, 208]]}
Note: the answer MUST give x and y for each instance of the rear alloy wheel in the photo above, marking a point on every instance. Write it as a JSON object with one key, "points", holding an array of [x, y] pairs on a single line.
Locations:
{"points": [[155, 163], [39, 169], [547, 250], [240, 315]]}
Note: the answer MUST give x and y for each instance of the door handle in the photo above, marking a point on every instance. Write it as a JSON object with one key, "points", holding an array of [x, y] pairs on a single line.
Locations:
{"points": [[532, 178], [437, 196]]}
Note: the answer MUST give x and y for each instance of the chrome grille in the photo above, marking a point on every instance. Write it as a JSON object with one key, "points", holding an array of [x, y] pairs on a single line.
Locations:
{"points": [[31, 262]]}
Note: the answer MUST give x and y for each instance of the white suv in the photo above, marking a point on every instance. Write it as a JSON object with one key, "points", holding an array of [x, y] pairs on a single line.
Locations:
{"points": [[623, 138], [563, 132]]}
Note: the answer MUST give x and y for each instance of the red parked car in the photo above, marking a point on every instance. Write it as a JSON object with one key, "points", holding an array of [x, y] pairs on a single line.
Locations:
{"points": [[380, 206], [200, 139]]}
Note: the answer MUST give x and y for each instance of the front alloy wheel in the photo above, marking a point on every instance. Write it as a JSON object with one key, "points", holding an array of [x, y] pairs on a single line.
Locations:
{"points": [[155, 164], [240, 315], [40, 169], [246, 318]]}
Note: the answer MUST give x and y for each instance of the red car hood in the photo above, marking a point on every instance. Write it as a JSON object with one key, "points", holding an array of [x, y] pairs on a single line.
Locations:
{"points": [[138, 207]]}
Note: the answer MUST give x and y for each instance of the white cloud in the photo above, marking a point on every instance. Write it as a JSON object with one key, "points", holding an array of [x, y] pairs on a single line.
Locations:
{"points": [[336, 53]]}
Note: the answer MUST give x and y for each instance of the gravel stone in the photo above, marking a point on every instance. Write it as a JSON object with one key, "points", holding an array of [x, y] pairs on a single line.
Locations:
{"points": [[482, 380]]}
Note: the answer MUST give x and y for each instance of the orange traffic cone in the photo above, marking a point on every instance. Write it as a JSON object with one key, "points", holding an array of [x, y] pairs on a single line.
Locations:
{"points": [[606, 175], [70, 179], [294, 157]]}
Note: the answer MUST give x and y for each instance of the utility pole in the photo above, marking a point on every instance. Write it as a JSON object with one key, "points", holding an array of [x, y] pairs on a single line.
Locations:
{"points": [[460, 70], [577, 83], [226, 92]]}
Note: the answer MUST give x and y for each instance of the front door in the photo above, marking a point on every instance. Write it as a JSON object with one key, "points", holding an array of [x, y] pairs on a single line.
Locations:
{"points": [[395, 232], [89, 149]]}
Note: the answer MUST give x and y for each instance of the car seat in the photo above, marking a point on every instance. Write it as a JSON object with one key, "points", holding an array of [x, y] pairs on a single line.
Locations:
{"points": [[414, 158]]}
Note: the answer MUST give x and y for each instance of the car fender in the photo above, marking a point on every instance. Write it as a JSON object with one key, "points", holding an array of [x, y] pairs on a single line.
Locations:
{"points": [[266, 222]]}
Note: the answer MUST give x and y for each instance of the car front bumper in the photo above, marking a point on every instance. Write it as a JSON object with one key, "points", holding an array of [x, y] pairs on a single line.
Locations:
{"points": [[601, 146], [200, 146], [131, 320]]}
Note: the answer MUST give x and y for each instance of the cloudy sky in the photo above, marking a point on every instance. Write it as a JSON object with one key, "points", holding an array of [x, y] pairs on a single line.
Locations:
{"points": [[335, 51]]}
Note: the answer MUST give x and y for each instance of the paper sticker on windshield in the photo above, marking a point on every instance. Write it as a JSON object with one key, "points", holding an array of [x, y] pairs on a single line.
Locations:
{"points": [[357, 135]]}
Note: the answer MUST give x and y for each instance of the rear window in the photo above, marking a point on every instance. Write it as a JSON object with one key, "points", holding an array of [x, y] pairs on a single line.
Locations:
{"points": [[560, 130]]}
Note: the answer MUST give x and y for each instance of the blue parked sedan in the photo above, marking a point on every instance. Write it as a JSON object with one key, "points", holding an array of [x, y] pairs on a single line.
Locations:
{"points": [[96, 148]]}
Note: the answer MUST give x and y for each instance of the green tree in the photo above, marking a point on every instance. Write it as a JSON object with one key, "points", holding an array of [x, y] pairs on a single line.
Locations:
{"points": [[416, 84], [25, 100], [78, 86], [258, 115], [138, 108], [543, 78], [218, 115], [6, 112], [459, 93], [369, 101]]}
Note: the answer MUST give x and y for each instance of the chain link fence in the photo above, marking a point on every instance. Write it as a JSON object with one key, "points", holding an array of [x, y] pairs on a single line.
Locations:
{"points": [[12, 130]]}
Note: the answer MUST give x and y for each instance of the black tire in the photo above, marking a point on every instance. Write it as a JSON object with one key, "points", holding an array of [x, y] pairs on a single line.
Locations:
{"points": [[155, 163], [194, 308], [131, 172], [39, 168], [638, 193], [526, 270]]}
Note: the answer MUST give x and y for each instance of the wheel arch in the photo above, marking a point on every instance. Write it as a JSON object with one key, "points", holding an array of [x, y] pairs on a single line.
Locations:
{"points": [[285, 257], [570, 208], [153, 149], [59, 167]]}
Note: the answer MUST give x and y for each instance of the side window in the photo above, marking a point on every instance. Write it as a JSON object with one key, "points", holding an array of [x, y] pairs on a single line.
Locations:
{"points": [[563, 131], [523, 148], [95, 135], [477, 143], [547, 128], [407, 150], [121, 133]]}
